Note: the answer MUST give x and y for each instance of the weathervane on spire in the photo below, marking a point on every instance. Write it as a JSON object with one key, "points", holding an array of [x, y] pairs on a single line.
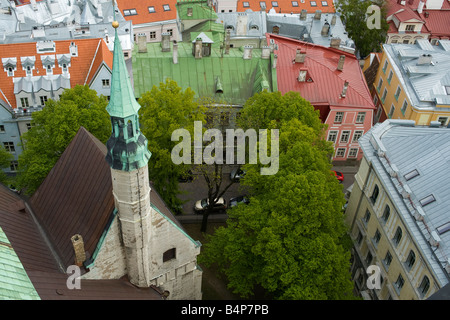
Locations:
{"points": [[115, 23]]}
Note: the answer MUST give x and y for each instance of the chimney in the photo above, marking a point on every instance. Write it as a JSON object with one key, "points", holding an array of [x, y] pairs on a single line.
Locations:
{"points": [[300, 56], [274, 65], [344, 90], [302, 75], [33, 5], [78, 247], [247, 52], [340, 65], [303, 14], [165, 42], [227, 42], [335, 43], [424, 60], [142, 42], [265, 52], [198, 45], [325, 29], [420, 6], [241, 24], [333, 20], [318, 15], [175, 52]]}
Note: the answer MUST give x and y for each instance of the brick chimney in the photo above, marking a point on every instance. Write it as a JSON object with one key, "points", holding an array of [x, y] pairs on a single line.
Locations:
{"points": [[325, 29], [247, 52], [78, 247], [318, 15], [165, 42], [275, 57], [142, 43], [265, 52], [175, 52], [227, 42], [198, 46], [335, 43], [344, 90], [303, 14], [340, 65]]}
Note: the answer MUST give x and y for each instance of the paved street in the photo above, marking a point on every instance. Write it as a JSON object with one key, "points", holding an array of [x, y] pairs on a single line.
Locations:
{"points": [[197, 190]]}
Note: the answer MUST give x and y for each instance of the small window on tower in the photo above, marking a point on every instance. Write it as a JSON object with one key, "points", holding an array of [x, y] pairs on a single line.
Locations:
{"points": [[169, 255]]}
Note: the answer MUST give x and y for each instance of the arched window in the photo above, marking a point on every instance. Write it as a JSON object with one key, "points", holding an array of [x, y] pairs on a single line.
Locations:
{"points": [[397, 236], [424, 286], [375, 193], [169, 255], [410, 260]]}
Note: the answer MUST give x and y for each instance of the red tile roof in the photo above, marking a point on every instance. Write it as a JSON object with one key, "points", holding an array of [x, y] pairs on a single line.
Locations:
{"points": [[82, 67], [143, 15], [286, 6], [326, 81], [437, 22]]}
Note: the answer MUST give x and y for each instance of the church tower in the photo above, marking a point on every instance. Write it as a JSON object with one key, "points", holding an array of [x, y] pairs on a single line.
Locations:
{"points": [[128, 156]]}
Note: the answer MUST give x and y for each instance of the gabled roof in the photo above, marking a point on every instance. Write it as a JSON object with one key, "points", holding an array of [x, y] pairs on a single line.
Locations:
{"points": [[143, 15], [287, 6], [91, 52], [326, 82]]}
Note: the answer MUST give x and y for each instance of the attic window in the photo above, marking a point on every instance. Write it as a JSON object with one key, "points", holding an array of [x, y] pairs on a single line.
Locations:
{"points": [[169, 255], [246, 4], [151, 9], [444, 228], [254, 27], [313, 4], [166, 7], [129, 12], [324, 4], [411, 174], [427, 200]]}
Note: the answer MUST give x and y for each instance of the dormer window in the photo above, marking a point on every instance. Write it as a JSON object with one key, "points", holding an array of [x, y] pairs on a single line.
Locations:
{"points": [[10, 72], [29, 72], [9, 65], [73, 49]]}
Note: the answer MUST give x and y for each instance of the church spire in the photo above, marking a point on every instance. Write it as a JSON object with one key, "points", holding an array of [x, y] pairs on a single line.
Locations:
{"points": [[127, 146]]}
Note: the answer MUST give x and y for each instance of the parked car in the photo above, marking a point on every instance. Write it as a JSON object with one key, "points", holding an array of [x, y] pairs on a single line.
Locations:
{"points": [[219, 207], [239, 199], [339, 175], [236, 174]]}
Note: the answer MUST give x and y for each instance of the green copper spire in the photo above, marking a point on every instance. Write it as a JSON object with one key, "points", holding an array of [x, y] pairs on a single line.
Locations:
{"points": [[127, 146]]}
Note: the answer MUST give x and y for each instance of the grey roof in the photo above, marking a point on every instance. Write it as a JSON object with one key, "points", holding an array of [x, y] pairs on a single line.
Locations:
{"points": [[397, 147], [424, 84], [255, 23]]}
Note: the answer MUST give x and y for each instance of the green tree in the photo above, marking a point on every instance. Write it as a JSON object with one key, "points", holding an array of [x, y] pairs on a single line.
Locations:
{"points": [[354, 15], [54, 127], [5, 162], [165, 109], [288, 240]]}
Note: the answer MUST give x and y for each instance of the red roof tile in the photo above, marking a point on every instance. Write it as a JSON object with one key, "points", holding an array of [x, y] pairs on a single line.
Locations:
{"points": [[79, 69], [142, 12], [326, 81], [287, 6]]}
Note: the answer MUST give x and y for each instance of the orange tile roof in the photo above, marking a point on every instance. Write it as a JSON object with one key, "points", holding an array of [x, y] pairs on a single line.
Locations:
{"points": [[143, 15], [287, 6], [81, 69]]}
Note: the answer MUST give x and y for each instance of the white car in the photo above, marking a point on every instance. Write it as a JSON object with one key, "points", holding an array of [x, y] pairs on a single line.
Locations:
{"points": [[219, 206]]}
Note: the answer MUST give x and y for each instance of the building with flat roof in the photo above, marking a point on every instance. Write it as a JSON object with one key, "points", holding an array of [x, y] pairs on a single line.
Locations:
{"points": [[398, 211]]}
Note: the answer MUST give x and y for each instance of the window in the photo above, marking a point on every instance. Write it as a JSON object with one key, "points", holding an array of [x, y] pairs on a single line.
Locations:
{"points": [[447, 90], [49, 69], [129, 12], [9, 146], [397, 93], [360, 117], [43, 100], [375, 99], [404, 107], [411, 174], [389, 79], [375, 193], [443, 228], [385, 66], [391, 112], [410, 260], [169, 255], [339, 117], [377, 237], [313, 4], [443, 120], [29, 126], [262, 4], [369, 258], [399, 283], [2, 128], [324, 4], [224, 118], [345, 135], [151, 9], [359, 238], [427, 200], [366, 217], [358, 134], [409, 27], [170, 32], [276, 30], [105, 83], [274, 4], [397, 236], [245, 4], [380, 83], [24, 102], [166, 7], [405, 41], [386, 214], [424, 286], [294, 3], [383, 97], [29, 72], [340, 153], [387, 260], [152, 34], [332, 135], [14, 165], [353, 152]]}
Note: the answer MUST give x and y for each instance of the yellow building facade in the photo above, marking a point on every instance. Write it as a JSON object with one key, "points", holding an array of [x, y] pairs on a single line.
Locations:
{"points": [[386, 237], [410, 83]]}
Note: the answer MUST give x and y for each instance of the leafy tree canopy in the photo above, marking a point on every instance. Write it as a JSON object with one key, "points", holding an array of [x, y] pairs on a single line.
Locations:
{"points": [[54, 127], [5, 161]]}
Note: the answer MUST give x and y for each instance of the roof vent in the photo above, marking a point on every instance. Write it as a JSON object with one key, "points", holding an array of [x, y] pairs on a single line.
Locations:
{"points": [[434, 239], [406, 193], [394, 171], [302, 76], [344, 90], [424, 60]]}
